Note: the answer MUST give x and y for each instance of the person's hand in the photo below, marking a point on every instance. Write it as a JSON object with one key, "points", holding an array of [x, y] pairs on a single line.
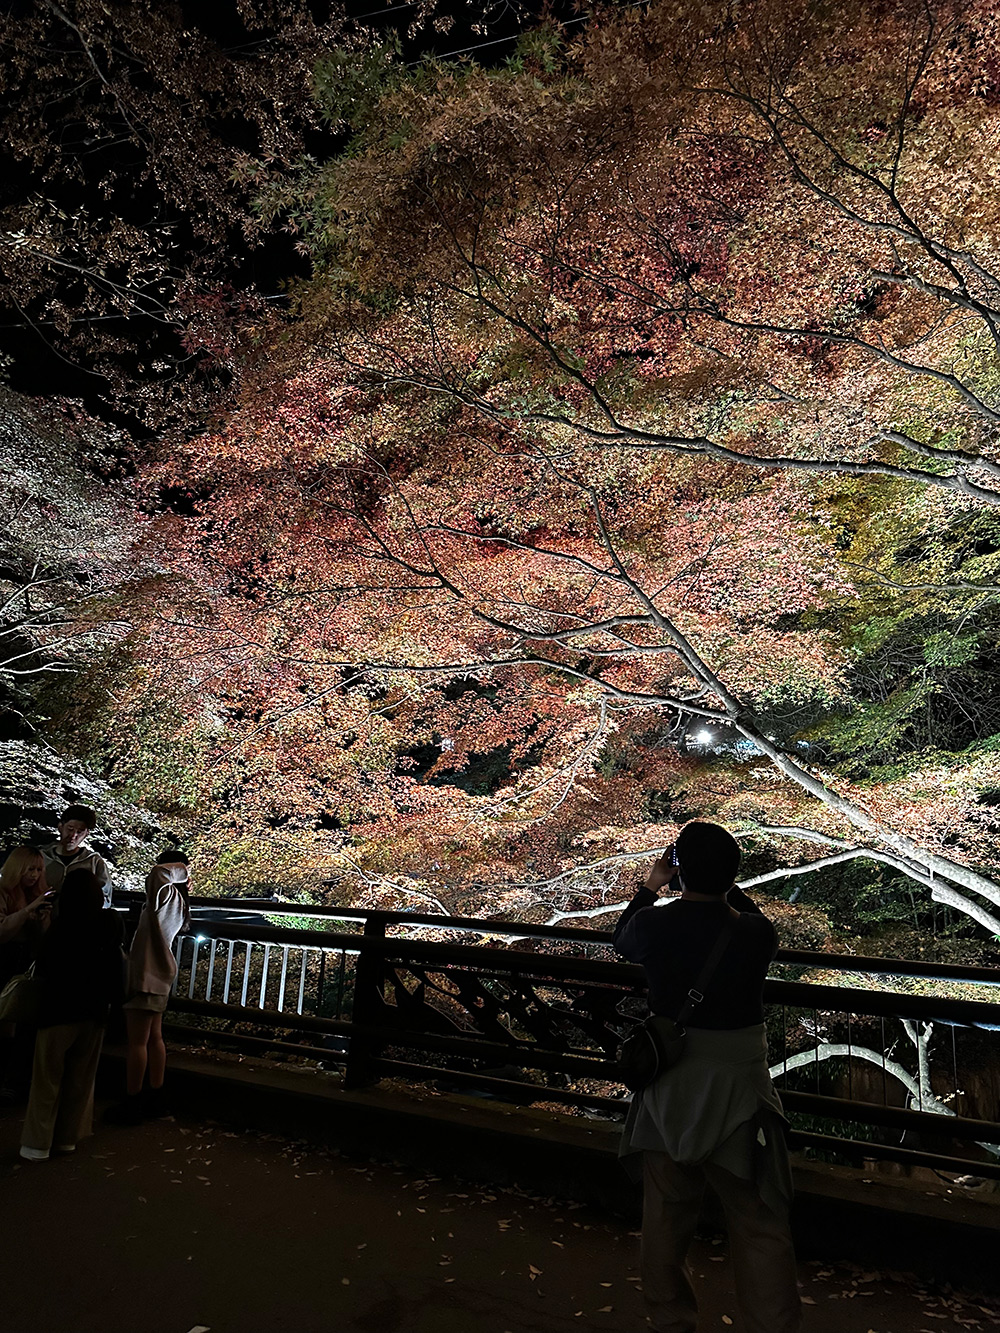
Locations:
{"points": [[42, 904], [661, 872]]}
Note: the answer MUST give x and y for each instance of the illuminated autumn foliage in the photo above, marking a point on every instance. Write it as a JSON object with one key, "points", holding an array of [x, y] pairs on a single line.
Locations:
{"points": [[629, 456]]}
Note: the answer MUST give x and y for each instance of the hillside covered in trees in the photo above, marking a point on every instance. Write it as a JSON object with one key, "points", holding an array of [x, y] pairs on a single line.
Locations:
{"points": [[431, 482]]}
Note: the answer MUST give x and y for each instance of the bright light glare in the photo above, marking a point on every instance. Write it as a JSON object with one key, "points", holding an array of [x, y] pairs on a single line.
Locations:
{"points": [[704, 738]]}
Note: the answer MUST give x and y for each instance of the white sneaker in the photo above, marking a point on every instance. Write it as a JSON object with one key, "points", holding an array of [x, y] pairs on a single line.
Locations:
{"points": [[35, 1154], [64, 1147]]}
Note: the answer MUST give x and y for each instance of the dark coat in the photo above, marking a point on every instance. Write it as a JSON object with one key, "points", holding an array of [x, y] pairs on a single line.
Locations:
{"points": [[79, 969]]}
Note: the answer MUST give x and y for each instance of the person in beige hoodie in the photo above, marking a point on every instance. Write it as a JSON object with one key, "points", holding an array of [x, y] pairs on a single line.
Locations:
{"points": [[149, 976], [70, 850]]}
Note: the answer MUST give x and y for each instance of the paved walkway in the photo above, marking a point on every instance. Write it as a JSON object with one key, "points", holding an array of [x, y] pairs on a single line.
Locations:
{"points": [[177, 1227]]}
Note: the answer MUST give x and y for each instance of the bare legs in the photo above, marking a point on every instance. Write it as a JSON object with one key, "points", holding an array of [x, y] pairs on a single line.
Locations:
{"points": [[157, 1053], [146, 1055], [146, 1050]]}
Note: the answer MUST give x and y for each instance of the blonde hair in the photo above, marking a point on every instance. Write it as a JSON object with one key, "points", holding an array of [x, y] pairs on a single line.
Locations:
{"points": [[12, 872]]}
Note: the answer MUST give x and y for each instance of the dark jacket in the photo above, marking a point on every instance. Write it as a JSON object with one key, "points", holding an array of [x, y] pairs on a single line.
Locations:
{"points": [[672, 943], [79, 969]]}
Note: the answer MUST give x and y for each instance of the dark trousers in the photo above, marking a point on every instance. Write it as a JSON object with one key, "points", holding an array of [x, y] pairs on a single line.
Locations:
{"points": [[760, 1245]]}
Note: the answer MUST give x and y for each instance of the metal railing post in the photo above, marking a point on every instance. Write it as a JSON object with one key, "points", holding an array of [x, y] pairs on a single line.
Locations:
{"points": [[367, 1008]]}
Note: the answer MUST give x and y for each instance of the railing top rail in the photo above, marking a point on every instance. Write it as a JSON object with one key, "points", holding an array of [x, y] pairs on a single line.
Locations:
{"points": [[468, 924], [591, 971], [888, 967], [431, 951], [983, 1014]]}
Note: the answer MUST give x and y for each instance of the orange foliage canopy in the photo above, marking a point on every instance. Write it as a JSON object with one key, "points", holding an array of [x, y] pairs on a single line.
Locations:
{"points": [[537, 485]]}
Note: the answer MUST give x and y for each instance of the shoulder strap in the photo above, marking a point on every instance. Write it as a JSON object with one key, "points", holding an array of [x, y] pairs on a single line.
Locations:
{"points": [[697, 992]]}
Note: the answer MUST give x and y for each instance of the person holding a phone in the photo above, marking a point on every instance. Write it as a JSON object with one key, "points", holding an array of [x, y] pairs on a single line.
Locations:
{"points": [[25, 904], [25, 895], [714, 1116]]}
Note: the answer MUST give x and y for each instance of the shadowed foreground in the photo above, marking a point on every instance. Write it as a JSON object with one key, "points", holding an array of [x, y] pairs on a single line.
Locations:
{"points": [[176, 1226]]}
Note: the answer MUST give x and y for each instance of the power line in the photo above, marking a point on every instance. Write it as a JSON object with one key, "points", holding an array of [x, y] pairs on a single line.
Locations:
{"points": [[513, 37], [385, 10], [480, 46], [447, 55]]}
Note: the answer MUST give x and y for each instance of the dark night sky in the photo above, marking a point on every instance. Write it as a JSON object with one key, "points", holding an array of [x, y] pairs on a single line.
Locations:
{"points": [[37, 364]]}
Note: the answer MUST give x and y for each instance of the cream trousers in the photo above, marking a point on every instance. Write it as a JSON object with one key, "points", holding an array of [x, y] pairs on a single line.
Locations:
{"points": [[61, 1101]]}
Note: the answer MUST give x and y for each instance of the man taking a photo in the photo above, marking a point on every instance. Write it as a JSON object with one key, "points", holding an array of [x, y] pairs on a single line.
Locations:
{"points": [[714, 1116]]}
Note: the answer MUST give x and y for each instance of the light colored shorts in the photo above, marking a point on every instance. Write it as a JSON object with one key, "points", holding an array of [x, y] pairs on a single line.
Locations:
{"points": [[147, 1002]]}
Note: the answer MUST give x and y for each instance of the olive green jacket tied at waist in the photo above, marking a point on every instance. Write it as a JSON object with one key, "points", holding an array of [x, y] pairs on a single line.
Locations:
{"points": [[718, 1104]]}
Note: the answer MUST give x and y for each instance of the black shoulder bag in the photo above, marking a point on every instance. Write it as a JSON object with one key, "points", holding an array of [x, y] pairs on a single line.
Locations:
{"points": [[656, 1044]]}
